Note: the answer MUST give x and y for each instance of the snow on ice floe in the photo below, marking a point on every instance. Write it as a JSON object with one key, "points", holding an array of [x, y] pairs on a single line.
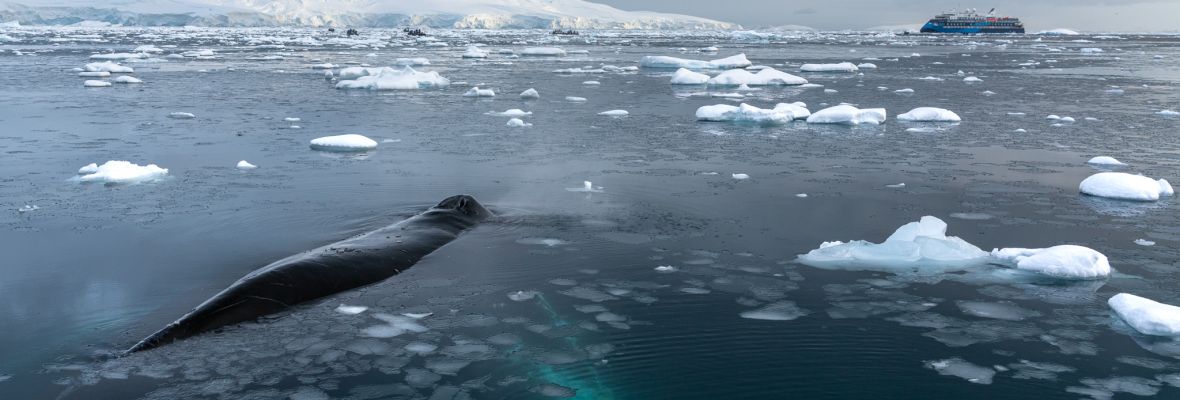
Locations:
{"points": [[477, 92], [518, 123], [127, 79], [917, 244], [530, 94], [543, 51], [121, 172], [245, 165], [735, 61], [96, 83], [1063, 261], [405, 78], [107, 66], [684, 76], [929, 114], [764, 77], [838, 67], [1147, 316], [343, 143], [615, 113], [1104, 160], [781, 113], [963, 369], [1124, 186], [847, 114]]}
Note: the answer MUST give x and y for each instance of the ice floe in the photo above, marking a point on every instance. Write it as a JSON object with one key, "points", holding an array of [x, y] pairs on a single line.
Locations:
{"points": [[614, 113], [477, 92], [963, 369], [96, 83], [575, 99], [530, 94], [474, 52], [121, 172], [684, 76], [847, 114], [740, 177], [1147, 316], [343, 143], [1104, 160], [735, 61], [126, 79], [972, 79], [765, 77], [543, 51], [1124, 186], [514, 112], [181, 115], [107, 66], [917, 244], [518, 123], [1169, 113], [1063, 261], [94, 74], [929, 114], [777, 311], [350, 310], [781, 113], [246, 165], [405, 78], [838, 67]]}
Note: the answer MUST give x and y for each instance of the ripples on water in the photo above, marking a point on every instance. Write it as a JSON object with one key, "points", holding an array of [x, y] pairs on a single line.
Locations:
{"points": [[559, 296]]}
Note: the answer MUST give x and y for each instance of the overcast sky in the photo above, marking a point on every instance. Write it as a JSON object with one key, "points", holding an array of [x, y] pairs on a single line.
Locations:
{"points": [[1088, 15]]}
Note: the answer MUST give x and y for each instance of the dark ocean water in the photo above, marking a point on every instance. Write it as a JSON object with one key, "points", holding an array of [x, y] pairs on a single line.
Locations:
{"points": [[95, 268]]}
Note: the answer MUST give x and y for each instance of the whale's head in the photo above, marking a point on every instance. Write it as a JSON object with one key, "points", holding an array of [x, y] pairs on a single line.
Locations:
{"points": [[466, 205]]}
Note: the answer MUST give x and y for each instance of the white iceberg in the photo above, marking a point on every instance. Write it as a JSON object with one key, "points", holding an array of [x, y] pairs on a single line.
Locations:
{"points": [[474, 52], [121, 172], [866, 66], [1104, 160], [615, 113], [575, 99], [246, 165], [530, 94], [764, 77], [781, 113], [929, 114], [107, 66], [839, 67], [477, 92], [343, 143], [543, 51], [1169, 113], [1147, 316], [849, 115], [386, 78], [127, 79], [412, 61], [96, 84], [1063, 261], [515, 112], [94, 74], [1124, 186], [740, 176], [517, 122], [913, 245], [684, 76], [181, 115], [972, 79], [735, 61]]}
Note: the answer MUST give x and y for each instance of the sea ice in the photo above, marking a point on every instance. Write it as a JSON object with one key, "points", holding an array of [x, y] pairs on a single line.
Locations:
{"points": [[387, 78], [963, 369], [684, 76], [741, 177], [1003, 311], [530, 94], [929, 114], [1063, 261], [777, 311], [1169, 113], [1147, 316], [543, 51], [522, 295], [916, 244], [846, 114], [412, 61], [97, 74], [96, 84], [107, 66], [1104, 160], [765, 77], [518, 123], [575, 99], [246, 165], [343, 143], [839, 67], [514, 112], [614, 113], [587, 187], [1124, 186], [1144, 242], [350, 310], [181, 115], [127, 79], [972, 79], [735, 61], [477, 92], [121, 172], [781, 113], [475, 52]]}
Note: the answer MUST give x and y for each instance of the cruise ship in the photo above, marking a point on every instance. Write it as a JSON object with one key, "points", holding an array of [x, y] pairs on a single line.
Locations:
{"points": [[968, 22]]}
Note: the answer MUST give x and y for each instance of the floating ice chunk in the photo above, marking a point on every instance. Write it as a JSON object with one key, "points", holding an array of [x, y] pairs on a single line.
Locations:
{"points": [[846, 114], [1144, 242], [413, 61], [1064, 261], [343, 143], [475, 52], [543, 51], [801, 195], [417, 315], [530, 94], [1104, 160], [292, 119], [1147, 316], [840, 67], [1004, 311], [916, 244], [1067, 119], [963, 369], [929, 114], [904, 91], [866, 66], [121, 172], [896, 185], [575, 99], [931, 78], [972, 216], [96, 84], [1169, 113], [972, 79], [514, 112], [777, 311], [781, 113], [99, 74], [522, 295], [117, 56], [421, 378], [1124, 186], [741, 176], [1059, 31], [386, 78], [684, 76], [615, 113], [591, 83], [127, 79], [350, 310], [588, 187], [246, 165], [477, 92], [765, 77], [27, 208], [735, 61], [107, 66], [1090, 50], [518, 123], [665, 268], [147, 48], [181, 115]]}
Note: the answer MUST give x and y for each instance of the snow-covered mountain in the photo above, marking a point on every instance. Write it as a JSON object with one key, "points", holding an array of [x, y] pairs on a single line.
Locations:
{"points": [[474, 14]]}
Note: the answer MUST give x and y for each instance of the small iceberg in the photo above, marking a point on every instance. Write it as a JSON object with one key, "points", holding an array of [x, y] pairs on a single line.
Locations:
{"points": [[543, 51], [351, 310], [736, 61], [972, 79], [684, 76], [343, 143], [615, 113], [518, 123], [474, 52], [1146, 316], [848, 115], [1124, 186], [929, 114], [121, 172], [1105, 160], [127, 79], [917, 244], [1169, 113], [781, 113], [387, 78], [575, 99], [764, 77], [1064, 261], [740, 177], [530, 94], [514, 112], [96, 84], [246, 165], [477, 92], [587, 187], [181, 115], [107, 66], [839, 67]]}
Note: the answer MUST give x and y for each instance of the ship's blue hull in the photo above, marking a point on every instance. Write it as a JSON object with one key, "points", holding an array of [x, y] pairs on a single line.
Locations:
{"points": [[931, 27]]}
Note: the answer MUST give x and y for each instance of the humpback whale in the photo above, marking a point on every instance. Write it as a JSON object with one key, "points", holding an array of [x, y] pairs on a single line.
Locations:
{"points": [[334, 268]]}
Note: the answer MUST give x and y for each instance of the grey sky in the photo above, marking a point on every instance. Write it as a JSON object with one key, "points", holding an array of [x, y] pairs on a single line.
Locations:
{"points": [[1087, 15]]}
